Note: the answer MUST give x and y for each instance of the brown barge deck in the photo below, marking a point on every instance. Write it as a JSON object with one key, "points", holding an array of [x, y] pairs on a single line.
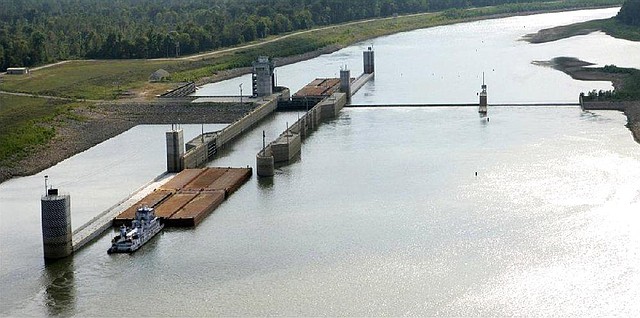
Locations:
{"points": [[190, 196]]}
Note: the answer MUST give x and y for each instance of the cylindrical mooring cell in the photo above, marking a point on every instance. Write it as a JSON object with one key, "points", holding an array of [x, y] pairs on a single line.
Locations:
{"points": [[265, 166], [56, 226]]}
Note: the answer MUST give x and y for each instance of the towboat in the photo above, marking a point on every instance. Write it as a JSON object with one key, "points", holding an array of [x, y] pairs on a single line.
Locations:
{"points": [[143, 227]]}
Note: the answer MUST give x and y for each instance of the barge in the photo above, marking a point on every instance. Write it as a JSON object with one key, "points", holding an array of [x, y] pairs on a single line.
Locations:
{"points": [[190, 196]]}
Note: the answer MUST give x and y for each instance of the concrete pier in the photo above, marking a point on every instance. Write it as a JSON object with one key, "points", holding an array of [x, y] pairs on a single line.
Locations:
{"points": [[103, 221], [265, 164], [360, 81]]}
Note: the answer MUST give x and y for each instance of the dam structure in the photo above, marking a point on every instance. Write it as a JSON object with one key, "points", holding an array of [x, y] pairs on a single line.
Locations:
{"points": [[322, 99], [206, 188], [198, 191]]}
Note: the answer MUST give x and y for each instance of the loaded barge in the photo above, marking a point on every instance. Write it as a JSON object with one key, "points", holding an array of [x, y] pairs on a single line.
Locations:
{"points": [[190, 196]]}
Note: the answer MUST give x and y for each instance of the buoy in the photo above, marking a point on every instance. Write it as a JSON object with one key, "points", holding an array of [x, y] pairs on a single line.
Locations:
{"points": [[487, 119], [476, 173]]}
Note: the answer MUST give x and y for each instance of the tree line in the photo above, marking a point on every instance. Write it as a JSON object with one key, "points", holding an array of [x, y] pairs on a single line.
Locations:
{"points": [[36, 32], [630, 13]]}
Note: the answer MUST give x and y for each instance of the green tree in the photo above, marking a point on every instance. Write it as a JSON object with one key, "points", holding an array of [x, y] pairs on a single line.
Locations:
{"points": [[38, 48], [2, 58], [630, 13]]}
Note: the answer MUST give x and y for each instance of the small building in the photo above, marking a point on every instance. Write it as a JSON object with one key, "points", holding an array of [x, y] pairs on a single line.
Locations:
{"points": [[18, 70], [159, 76]]}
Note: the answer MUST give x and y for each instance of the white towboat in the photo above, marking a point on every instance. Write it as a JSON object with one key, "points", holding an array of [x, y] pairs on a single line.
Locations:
{"points": [[144, 226]]}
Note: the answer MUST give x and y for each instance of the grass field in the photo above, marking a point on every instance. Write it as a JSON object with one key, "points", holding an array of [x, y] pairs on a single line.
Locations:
{"points": [[28, 122], [86, 79]]}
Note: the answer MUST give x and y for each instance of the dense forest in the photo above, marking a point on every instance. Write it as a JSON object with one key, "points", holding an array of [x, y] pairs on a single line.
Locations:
{"points": [[630, 13], [35, 32]]}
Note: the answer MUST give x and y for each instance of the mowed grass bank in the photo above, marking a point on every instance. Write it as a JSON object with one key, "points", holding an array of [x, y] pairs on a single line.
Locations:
{"points": [[98, 80]]}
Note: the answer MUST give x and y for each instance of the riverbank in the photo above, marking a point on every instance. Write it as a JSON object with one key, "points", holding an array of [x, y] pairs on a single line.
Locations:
{"points": [[610, 26], [582, 70], [633, 120], [92, 125]]}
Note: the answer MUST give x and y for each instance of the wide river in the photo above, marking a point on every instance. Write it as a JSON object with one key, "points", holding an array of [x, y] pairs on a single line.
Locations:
{"points": [[384, 213]]}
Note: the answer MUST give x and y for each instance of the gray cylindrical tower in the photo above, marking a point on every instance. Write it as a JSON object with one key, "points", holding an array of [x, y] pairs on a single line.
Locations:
{"points": [[369, 63], [56, 225]]}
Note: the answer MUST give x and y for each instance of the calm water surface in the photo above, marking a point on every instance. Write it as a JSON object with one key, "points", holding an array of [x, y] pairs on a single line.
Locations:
{"points": [[383, 214]]}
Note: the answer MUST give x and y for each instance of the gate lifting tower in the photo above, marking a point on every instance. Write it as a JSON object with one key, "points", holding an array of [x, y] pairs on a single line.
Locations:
{"points": [[483, 98]]}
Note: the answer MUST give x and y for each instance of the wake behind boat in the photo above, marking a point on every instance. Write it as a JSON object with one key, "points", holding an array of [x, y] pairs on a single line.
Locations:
{"points": [[143, 228]]}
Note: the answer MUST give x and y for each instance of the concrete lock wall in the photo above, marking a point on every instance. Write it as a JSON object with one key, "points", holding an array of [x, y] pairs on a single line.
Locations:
{"points": [[239, 126], [330, 107], [196, 156], [197, 152], [604, 105], [286, 147], [289, 143]]}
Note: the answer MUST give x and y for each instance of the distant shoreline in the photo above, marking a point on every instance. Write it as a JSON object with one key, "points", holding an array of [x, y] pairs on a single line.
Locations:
{"points": [[580, 70]]}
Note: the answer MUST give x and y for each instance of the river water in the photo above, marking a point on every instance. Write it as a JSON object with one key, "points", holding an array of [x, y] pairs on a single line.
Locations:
{"points": [[383, 214]]}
